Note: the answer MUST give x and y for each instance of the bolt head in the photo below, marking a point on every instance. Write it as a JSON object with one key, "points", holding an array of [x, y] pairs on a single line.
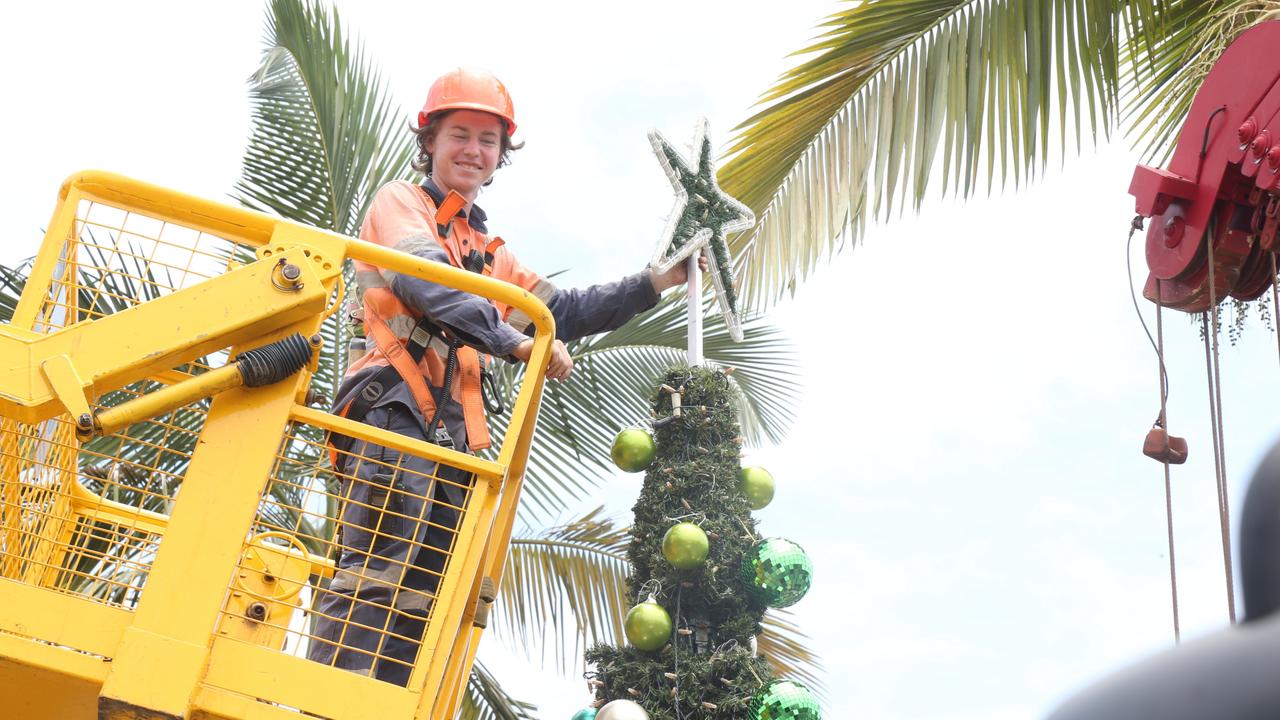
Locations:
{"points": [[1247, 131], [291, 272], [257, 611]]}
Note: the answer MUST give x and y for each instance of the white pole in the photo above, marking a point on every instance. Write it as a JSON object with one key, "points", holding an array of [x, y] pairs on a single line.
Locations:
{"points": [[695, 311]]}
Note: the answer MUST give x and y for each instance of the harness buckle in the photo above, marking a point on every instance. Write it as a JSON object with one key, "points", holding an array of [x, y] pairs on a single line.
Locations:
{"points": [[440, 436], [372, 391]]}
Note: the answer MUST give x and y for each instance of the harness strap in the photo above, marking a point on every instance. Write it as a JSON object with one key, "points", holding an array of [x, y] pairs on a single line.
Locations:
{"points": [[404, 358], [401, 361], [389, 376]]}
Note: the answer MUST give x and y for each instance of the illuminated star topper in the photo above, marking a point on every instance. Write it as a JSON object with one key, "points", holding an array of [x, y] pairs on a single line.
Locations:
{"points": [[703, 215]]}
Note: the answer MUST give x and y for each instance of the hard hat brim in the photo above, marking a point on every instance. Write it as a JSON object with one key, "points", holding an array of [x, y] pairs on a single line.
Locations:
{"points": [[424, 117]]}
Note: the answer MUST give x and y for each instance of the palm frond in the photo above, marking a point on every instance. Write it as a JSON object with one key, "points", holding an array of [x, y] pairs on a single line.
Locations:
{"points": [[786, 649], [890, 88], [568, 584], [12, 281], [1166, 73], [486, 700], [614, 375], [563, 584], [326, 134]]}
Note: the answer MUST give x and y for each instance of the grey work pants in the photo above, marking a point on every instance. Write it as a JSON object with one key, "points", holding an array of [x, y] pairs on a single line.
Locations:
{"points": [[397, 524]]}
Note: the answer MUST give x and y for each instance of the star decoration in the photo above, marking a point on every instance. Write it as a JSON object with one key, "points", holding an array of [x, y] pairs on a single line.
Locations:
{"points": [[703, 215]]}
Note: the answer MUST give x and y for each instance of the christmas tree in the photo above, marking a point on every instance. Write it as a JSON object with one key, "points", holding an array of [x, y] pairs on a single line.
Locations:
{"points": [[702, 576]]}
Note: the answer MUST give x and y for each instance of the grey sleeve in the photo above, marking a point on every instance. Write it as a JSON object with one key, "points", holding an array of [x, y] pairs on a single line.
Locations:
{"points": [[586, 311], [470, 318]]}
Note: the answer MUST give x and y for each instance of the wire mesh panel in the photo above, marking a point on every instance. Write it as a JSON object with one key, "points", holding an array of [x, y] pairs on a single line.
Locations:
{"points": [[114, 259], [87, 519], [340, 574], [348, 553], [76, 521]]}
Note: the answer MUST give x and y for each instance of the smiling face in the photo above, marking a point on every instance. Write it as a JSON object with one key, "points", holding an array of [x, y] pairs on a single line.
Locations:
{"points": [[465, 151]]}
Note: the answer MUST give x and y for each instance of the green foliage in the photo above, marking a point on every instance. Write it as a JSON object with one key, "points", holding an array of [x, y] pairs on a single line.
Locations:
{"points": [[694, 479], [613, 373], [561, 583], [486, 700], [891, 87], [326, 133], [727, 678], [1181, 42]]}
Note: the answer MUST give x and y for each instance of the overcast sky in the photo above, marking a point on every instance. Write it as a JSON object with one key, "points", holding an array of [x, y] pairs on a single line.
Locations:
{"points": [[966, 469]]}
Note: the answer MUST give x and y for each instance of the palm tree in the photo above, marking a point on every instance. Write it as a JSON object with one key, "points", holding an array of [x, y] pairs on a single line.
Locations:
{"points": [[326, 135], [991, 89]]}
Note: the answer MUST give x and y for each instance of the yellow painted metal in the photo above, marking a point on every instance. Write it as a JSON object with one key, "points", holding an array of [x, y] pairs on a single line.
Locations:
{"points": [[268, 588], [100, 557], [400, 443], [308, 686], [67, 386], [38, 680], [168, 398], [219, 497], [61, 620], [153, 337]]}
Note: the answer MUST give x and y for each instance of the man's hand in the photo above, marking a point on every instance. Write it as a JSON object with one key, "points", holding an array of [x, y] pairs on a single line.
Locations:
{"points": [[677, 275], [560, 365]]}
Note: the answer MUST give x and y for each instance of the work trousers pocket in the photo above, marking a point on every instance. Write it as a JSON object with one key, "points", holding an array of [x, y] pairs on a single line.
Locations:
{"points": [[384, 516]]}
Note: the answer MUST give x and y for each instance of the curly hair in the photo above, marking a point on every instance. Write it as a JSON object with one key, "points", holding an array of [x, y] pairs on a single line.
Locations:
{"points": [[422, 163]]}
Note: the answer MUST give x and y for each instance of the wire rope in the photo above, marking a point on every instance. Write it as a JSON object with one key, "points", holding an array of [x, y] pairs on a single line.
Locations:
{"points": [[1209, 322]]}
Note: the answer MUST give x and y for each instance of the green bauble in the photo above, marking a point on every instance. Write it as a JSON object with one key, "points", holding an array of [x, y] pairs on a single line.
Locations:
{"points": [[632, 450], [757, 484], [685, 546], [785, 700], [648, 626], [777, 572], [585, 714]]}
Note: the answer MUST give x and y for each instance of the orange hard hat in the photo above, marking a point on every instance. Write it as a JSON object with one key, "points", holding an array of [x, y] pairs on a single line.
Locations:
{"points": [[469, 89]]}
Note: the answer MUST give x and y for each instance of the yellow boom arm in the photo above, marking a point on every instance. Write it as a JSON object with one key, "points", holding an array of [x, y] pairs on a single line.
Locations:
{"points": [[167, 531]]}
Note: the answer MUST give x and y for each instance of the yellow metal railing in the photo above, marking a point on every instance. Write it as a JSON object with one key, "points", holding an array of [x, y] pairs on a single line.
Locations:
{"points": [[182, 562]]}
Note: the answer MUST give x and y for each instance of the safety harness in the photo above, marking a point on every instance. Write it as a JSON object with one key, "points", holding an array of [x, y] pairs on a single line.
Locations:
{"points": [[404, 359]]}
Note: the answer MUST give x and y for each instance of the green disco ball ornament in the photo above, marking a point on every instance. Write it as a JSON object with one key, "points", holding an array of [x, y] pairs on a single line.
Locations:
{"points": [[585, 714], [757, 485], [632, 450], [648, 626], [685, 546], [777, 571], [785, 700]]}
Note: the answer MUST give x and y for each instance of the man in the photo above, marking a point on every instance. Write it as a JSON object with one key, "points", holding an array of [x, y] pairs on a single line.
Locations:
{"points": [[422, 374]]}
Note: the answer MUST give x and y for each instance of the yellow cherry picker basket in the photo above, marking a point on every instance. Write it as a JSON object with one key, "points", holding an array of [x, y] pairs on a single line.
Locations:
{"points": [[167, 496]]}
